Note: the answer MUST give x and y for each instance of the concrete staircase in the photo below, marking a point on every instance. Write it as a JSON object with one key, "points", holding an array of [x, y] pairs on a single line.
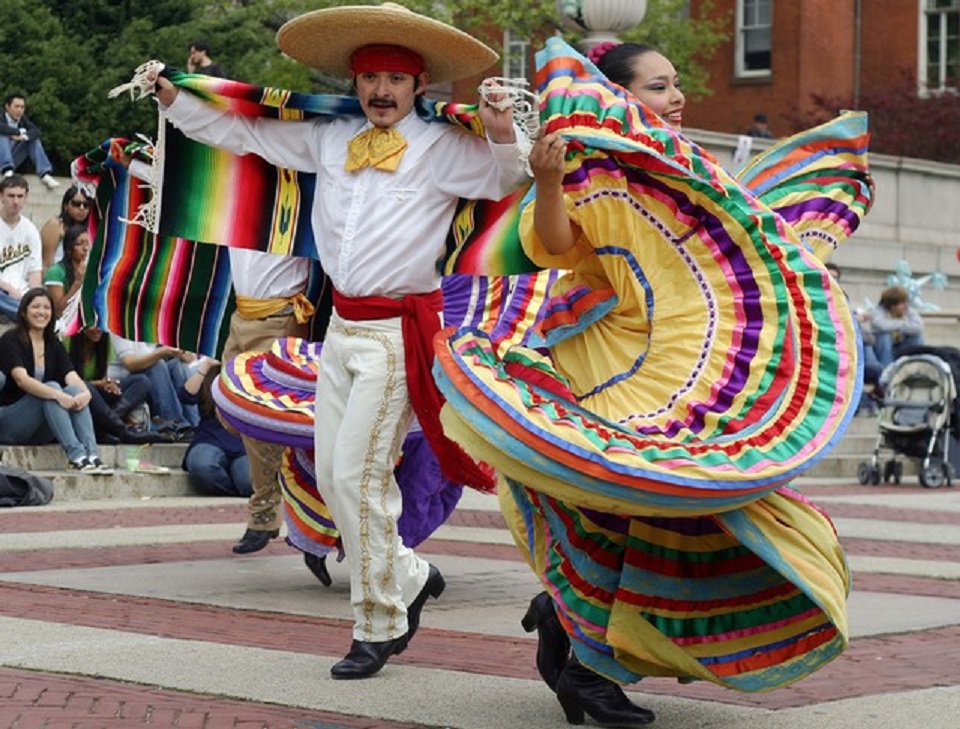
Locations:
{"points": [[49, 461]]}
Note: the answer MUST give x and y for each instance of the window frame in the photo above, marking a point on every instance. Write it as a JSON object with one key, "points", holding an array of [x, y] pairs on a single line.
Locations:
{"points": [[740, 30], [516, 50], [923, 78]]}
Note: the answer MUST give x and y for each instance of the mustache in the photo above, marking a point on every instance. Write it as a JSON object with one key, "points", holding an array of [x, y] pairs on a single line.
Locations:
{"points": [[382, 100]]}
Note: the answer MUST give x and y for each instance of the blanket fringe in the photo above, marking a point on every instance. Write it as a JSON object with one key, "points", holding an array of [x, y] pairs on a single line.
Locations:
{"points": [[526, 108], [143, 83]]}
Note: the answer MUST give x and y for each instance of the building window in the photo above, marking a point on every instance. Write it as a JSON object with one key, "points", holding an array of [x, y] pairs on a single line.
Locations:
{"points": [[516, 54], [754, 24], [941, 65]]}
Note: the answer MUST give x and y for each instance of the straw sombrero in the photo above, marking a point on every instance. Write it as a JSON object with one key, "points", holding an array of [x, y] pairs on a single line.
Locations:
{"points": [[325, 39]]}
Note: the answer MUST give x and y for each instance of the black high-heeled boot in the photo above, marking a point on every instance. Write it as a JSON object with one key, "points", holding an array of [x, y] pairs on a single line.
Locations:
{"points": [[553, 645], [581, 690]]}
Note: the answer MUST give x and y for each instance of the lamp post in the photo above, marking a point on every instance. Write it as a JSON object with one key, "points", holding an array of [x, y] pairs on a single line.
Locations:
{"points": [[600, 20]]}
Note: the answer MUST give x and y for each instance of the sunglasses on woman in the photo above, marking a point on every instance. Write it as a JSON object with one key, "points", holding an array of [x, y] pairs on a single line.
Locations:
{"points": [[80, 203]]}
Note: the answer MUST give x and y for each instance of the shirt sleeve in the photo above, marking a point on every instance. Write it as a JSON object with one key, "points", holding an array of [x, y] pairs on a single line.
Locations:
{"points": [[290, 144], [482, 169], [56, 276]]}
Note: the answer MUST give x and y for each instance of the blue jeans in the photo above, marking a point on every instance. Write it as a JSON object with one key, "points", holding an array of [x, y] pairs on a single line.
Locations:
{"points": [[13, 154], [9, 306], [212, 472], [166, 378], [887, 351], [32, 421]]}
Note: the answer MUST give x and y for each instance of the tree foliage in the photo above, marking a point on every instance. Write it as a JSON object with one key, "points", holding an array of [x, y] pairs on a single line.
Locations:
{"points": [[901, 124], [65, 57]]}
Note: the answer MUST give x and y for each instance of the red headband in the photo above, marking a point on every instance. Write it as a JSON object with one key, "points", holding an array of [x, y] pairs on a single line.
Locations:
{"points": [[376, 58]]}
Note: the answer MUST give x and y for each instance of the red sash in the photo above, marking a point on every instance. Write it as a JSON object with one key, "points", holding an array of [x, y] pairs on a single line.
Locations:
{"points": [[420, 323]]}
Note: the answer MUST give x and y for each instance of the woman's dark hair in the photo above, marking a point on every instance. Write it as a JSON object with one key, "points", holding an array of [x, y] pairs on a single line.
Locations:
{"points": [[71, 192], [23, 328], [70, 238], [616, 61], [83, 349], [205, 404]]}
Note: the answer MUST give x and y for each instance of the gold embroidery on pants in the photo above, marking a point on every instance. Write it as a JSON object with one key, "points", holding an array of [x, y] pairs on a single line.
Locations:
{"points": [[366, 475]]}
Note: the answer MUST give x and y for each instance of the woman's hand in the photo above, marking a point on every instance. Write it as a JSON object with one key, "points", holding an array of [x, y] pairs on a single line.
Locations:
{"points": [[548, 160], [66, 400], [81, 399]]}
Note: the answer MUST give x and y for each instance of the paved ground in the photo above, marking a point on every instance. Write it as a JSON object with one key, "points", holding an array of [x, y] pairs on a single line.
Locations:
{"points": [[126, 613]]}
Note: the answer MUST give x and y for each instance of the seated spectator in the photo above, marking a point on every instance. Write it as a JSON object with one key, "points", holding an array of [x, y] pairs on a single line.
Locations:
{"points": [[896, 327], [215, 460], [760, 127], [19, 139], [64, 278], [871, 365], [74, 209], [19, 246], [112, 400], [166, 369], [43, 398]]}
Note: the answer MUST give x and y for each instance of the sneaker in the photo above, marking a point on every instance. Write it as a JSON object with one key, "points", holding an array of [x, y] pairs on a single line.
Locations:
{"points": [[7, 173], [81, 464], [100, 467], [50, 181]]}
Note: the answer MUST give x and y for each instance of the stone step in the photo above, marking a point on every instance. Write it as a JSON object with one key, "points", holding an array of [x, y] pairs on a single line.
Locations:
{"points": [[51, 458], [48, 461]]}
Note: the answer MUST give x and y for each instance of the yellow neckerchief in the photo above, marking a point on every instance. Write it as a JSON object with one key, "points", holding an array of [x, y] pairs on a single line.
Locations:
{"points": [[377, 147]]}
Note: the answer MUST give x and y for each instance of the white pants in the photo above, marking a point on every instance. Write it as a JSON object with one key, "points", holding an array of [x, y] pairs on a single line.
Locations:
{"points": [[362, 417]]}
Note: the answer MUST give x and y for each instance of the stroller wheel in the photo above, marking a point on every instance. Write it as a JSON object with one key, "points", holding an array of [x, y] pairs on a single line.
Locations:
{"points": [[863, 473], [933, 476], [888, 469], [875, 475], [897, 472]]}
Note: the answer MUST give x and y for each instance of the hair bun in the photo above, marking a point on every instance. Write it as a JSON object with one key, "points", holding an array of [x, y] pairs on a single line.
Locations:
{"points": [[600, 50]]}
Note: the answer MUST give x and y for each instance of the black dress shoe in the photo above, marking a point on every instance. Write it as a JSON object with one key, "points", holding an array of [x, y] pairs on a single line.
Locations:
{"points": [[254, 540], [581, 690], [553, 645], [318, 566], [431, 588], [365, 659]]}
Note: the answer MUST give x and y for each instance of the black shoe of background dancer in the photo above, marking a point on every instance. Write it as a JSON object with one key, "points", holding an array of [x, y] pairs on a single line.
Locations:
{"points": [[553, 645], [581, 690], [317, 564], [366, 659], [254, 540], [431, 588]]}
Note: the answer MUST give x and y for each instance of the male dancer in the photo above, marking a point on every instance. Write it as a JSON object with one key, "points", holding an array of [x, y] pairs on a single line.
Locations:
{"points": [[387, 189]]}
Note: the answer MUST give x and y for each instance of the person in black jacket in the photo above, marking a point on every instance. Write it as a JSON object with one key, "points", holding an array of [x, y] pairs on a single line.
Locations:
{"points": [[43, 397], [19, 139]]}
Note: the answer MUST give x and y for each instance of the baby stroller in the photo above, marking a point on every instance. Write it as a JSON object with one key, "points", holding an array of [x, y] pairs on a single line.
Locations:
{"points": [[918, 420]]}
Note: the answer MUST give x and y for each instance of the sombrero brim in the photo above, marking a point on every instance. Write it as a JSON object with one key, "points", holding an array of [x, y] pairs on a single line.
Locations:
{"points": [[325, 39]]}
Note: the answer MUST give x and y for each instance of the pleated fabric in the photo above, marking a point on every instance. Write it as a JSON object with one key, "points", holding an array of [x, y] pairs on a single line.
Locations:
{"points": [[708, 359]]}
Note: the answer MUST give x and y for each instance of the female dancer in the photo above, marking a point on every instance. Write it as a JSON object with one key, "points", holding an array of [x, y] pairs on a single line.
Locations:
{"points": [[43, 397], [703, 357]]}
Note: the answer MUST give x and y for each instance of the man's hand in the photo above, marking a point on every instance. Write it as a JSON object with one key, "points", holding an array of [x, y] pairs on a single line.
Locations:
{"points": [[166, 91], [498, 124]]}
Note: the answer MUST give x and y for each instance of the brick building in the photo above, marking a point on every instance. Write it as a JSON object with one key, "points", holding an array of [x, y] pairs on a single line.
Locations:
{"points": [[782, 53]]}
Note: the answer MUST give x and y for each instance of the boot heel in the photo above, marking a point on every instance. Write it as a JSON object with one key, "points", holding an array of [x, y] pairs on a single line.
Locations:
{"points": [[531, 619], [437, 587], [571, 708]]}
